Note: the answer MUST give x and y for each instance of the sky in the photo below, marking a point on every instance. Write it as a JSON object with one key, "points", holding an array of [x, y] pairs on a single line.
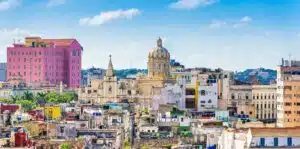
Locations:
{"points": [[230, 34]]}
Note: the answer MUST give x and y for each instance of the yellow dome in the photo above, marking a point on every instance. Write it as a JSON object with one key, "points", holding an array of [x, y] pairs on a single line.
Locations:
{"points": [[159, 51]]}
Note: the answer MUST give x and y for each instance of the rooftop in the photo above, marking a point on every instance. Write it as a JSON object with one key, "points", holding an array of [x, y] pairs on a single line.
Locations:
{"points": [[278, 132]]}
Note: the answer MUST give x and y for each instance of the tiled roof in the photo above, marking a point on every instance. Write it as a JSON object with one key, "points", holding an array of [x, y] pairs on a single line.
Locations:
{"points": [[276, 132]]}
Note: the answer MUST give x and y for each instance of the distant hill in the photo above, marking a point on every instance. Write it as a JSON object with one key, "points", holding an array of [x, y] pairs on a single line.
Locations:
{"points": [[124, 73], [264, 76]]}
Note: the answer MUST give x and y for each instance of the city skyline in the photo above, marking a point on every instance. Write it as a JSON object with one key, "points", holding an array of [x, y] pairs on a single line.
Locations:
{"points": [[198, 33]]}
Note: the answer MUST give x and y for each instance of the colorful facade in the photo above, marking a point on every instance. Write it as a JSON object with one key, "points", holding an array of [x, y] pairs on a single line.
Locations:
{"points": [[52, 112], [45, 61]]}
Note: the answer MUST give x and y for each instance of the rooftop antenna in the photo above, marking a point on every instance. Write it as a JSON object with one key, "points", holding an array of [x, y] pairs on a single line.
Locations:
{"points": [[290, 59]]}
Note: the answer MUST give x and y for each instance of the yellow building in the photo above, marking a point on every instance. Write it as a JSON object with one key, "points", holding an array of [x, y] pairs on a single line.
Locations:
{"points": [[52, 112]]}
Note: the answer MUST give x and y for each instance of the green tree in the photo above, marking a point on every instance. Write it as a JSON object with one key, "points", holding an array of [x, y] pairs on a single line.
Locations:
{"points": [[65, 146], [66, 97], [7, 101], [40, 98], [26, 104], [28, 96], [52, 97], [15, 98]]}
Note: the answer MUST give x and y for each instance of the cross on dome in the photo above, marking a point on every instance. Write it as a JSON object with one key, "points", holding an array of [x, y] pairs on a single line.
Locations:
{"points": [[159, 42]]}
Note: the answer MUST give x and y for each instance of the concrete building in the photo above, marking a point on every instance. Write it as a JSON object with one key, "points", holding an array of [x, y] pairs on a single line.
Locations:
{"points": [[45, 61], [171, 94], [275, 138], [208, 97], [235, 139], [288, 94], [2, 71], [264, 98]]}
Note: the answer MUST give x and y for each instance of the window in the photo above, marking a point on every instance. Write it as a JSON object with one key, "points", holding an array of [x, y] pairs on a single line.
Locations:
{"points": [[74, 53], [109, 89], [202, 92], [247, 96], [24, 59], [287, 104], [202, 101], [209, 101], [182, 119], [232, 96]]}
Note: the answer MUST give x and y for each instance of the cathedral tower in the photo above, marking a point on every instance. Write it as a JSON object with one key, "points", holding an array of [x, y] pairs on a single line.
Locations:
{"points": [[159, 61], [110, 82]]}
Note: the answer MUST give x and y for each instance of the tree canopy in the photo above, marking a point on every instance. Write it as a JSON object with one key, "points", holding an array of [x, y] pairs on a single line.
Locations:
{"points": [[29, 101]]}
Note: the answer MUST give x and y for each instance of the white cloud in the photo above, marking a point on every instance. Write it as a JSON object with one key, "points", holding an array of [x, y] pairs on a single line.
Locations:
{"points": [[244, 21], [190, 4], [10, 35], [109, 16], [53, 3], [217, 24], [7, 4]]}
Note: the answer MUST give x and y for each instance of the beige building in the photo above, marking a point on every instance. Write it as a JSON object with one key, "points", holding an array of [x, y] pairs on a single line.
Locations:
{"points": [[264, 98], [288, 94], [239, 95], [257, 101], [141, 89], [158, 74], [108, 89]]}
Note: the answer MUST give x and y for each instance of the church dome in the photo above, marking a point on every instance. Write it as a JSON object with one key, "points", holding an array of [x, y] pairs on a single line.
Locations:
{"points": [[159, 51]]}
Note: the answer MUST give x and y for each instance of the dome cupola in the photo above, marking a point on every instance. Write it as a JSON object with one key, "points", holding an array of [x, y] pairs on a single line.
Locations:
{"points": [[159, 51]]}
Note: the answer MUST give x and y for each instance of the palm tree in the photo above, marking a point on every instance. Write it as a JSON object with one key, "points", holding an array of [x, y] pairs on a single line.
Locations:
{"points": [[41, 94], [15, 98], [40, 98], [28, 96]]}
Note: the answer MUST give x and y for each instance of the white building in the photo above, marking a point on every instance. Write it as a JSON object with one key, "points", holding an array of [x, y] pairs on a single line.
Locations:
{"points": [[208, 96], [275, 137], [171, 94], [235, 139]]}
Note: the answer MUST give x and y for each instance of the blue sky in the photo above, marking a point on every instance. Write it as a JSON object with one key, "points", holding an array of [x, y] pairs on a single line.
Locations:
{"points": [[231, 34]]}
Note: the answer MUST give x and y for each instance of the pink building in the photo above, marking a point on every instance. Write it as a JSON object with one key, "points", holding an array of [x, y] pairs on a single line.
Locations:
{"points": [[50, 61]]}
